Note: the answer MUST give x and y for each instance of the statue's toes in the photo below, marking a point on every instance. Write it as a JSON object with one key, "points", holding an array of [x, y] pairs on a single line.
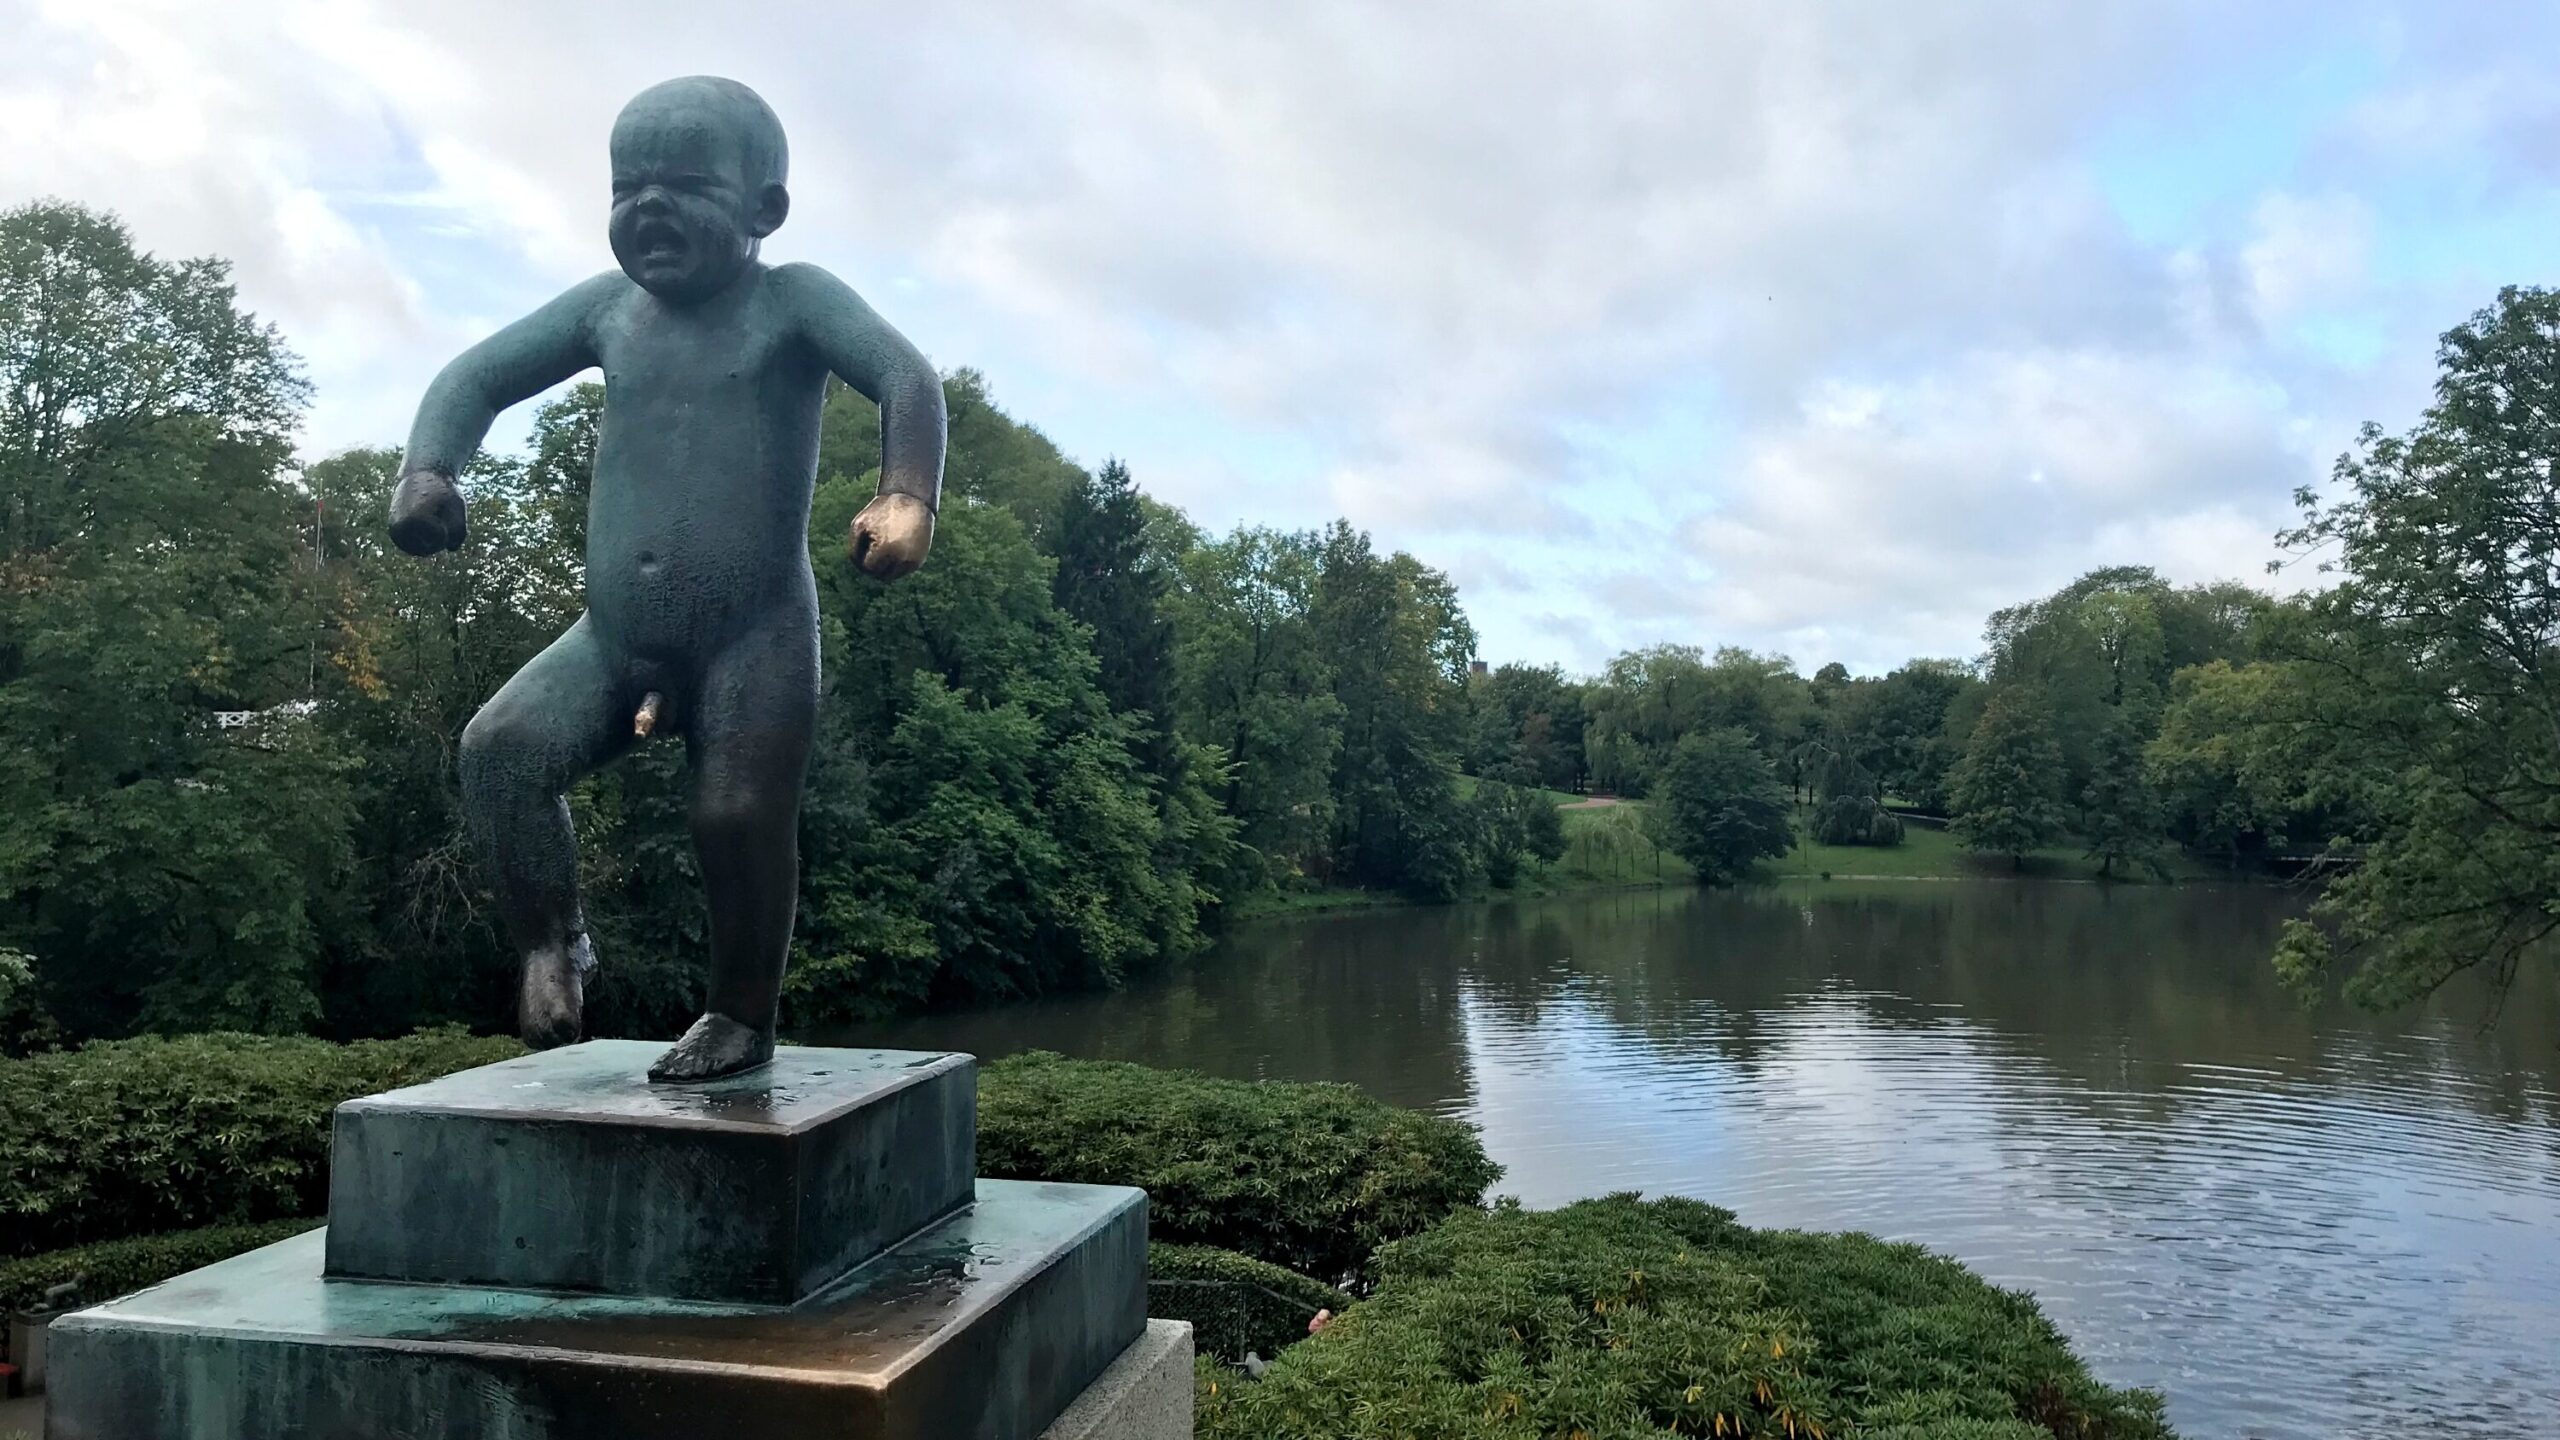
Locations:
{"points": [[714, 1047]]}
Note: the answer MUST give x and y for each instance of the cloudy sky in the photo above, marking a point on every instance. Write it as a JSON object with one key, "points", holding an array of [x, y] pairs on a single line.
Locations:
{"points": [[1823, 328]]}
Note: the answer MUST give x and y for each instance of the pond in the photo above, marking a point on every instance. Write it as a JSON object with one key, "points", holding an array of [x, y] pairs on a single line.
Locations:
{"points": [[2294, 1222]]}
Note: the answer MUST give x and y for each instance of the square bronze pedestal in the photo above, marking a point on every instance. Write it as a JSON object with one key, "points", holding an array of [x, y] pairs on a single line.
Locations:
{"points": [[986, 1326], [554, 1249], [566, 1170]]}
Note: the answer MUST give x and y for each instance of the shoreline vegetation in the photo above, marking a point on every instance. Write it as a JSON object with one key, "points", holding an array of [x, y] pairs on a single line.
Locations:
{"points": [[1091, 729], [1594, 861], [1453, 1313]]}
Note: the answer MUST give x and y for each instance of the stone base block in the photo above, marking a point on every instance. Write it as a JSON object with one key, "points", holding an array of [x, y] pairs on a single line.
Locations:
{"points": [[567, 1170], [986, 1326], [1145, 1395]]}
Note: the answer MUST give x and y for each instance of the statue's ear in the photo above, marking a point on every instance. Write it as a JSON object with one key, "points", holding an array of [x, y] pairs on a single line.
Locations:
{"points": [[773, 206]]}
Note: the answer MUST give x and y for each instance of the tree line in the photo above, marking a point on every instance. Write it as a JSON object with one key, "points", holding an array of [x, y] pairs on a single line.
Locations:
{"points": [[1089, 728]]}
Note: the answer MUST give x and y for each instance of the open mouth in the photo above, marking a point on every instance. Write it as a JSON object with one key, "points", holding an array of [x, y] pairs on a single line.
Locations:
{"points": [[659, 242]]}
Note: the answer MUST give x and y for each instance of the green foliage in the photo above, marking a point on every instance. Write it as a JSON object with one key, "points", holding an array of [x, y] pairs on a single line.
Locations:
{"points": [[172, 841], [1848, 811], [2417, 693], [1647, 701], [24, 1023], [2007, 790], [2222, 792], [1898, 727], [1310, 1177], [134, 1136], [977, 824], [2105, 647], [229, 798], [1235, 1303], [408, 652], [1525, 725], [1625, 1318], [2120, 811], [1256, 691], [1398, 646], [112, 1268], [1717, 804], [1515, 828], [1855, 820], [1107, 579]]}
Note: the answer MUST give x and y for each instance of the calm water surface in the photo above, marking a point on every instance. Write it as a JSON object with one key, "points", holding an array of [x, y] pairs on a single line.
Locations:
{"points": [[2294, 1223]]}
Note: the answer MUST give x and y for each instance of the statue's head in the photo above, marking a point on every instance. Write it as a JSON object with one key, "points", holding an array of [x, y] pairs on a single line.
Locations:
{"points": [[698, 167]]}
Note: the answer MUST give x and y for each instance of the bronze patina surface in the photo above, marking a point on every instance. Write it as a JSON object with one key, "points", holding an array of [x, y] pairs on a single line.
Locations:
{"points": [[702, 611], [987, 1325], [562, 1170]]}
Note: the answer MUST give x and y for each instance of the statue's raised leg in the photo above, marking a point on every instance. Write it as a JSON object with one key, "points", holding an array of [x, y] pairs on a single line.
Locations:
{"points": [[560, 717]]}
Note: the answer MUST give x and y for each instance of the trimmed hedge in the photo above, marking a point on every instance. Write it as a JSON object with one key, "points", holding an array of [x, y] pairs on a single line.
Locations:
{"points": [[1234, 1302], [112, 1268], [1311, 1178], [136, 1137], [1625, 1318], [148, 1136]]}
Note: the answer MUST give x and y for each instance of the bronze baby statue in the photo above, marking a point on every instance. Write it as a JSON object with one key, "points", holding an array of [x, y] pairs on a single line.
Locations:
{"points": [[702, 611]]}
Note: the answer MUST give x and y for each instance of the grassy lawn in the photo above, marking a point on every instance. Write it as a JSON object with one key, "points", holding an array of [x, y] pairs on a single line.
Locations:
{"points": [[1467, 791], [1591, 859], [1926, 853], [1308, 899], [1605, 849]]}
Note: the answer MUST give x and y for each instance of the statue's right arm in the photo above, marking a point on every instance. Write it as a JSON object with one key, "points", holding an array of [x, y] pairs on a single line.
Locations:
{"points": [[524, 359]]}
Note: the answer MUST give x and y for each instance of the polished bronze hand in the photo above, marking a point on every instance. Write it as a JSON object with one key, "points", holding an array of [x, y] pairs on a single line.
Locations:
{"points": [[891, 535]]}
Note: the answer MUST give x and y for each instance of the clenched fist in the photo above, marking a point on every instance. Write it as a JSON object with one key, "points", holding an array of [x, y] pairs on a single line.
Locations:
{"points": [[426, 514], [890, 536]]}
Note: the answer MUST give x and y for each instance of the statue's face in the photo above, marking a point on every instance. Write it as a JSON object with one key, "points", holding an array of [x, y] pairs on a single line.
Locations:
{"points": [[686, 216]]}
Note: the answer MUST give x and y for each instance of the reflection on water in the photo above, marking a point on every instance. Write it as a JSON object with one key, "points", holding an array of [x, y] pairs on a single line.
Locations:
{"points": [[2294, 1222]]}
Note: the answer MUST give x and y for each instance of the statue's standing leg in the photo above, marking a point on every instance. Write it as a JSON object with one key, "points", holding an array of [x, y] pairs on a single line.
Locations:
{"points": [[749, 744], [559, 718]]}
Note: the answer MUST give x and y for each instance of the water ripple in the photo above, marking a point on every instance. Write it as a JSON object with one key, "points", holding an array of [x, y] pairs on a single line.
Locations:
{"points": [[2294, 1224]]}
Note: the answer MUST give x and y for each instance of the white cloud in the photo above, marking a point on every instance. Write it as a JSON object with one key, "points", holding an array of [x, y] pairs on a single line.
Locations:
{"points": [[1837, 283], [2306, 253], [1994, 478]]}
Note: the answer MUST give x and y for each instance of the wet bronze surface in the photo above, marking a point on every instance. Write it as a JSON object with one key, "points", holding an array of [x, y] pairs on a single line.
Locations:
{"points": [[604, 1081], [858, 1331], [557, 1171], [986, 1325]]}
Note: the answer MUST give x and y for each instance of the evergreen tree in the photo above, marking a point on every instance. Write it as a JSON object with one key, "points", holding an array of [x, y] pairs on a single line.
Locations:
{"points": [[977, 826], [1107, 578], [2008, 787]]}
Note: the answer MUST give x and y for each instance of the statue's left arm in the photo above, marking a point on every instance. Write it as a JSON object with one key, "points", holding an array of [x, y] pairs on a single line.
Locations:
{"points": [[890, 536]]}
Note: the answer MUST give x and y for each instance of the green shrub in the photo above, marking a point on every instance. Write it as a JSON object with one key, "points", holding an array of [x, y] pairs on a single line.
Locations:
{"points": [[119, 1267], [1856, 820], [1624, 1318], [135, 1137], [1308, 1177], [1234, 1302]]}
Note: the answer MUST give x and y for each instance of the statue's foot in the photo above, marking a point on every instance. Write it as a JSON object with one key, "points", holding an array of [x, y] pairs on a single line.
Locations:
{"points": [[551, 1010], [714, 1047]]}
